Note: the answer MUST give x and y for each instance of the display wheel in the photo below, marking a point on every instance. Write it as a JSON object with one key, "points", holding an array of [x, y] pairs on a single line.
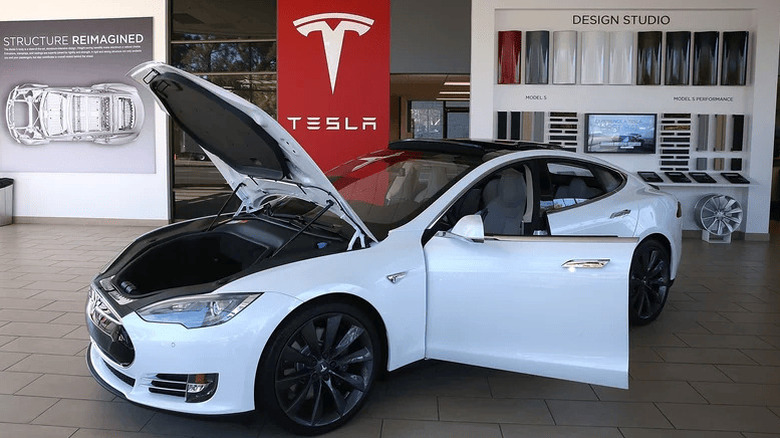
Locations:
{"points": [[719, 215]]}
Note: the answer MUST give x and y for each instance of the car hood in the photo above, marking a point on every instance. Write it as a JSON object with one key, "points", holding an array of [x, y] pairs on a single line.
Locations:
{"points": [[257, 157]]}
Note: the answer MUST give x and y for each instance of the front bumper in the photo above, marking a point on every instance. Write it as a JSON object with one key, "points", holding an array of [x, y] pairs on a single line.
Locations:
{"points": [[231, 350]]}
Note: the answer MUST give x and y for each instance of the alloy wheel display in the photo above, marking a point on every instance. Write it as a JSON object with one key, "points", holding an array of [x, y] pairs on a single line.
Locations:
{"points": [[719, 215]]}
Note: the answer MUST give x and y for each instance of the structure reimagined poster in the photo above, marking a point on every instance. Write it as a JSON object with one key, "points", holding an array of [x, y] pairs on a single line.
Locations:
{"points": [[68, 105]]}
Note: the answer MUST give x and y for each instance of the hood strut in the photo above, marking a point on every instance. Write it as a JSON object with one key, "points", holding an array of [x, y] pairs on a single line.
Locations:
{"points": [[211, 225], [328, 205]]}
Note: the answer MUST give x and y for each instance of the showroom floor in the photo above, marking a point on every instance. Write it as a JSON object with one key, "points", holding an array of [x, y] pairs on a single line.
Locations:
{"points": [[710, 363]]}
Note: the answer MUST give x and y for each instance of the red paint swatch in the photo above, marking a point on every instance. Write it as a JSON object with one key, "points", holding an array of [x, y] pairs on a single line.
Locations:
{"points": [[509, 50]]}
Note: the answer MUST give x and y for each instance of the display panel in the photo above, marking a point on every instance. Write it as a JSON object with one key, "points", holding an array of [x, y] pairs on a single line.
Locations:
{"points": [[537, 53], [593, 69], [705, 58], [621, 57], [620, 133], [565, 56], [509, 49], [648, 60], [678, 47], [734, 65]]}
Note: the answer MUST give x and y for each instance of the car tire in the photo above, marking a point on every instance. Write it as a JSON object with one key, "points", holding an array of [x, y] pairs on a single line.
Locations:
{"points": [[320, 368], [649, 282]]}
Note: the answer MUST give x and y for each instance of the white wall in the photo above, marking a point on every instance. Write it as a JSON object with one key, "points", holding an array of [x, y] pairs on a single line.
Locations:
{"points": [[143, 197], [756, 100]]}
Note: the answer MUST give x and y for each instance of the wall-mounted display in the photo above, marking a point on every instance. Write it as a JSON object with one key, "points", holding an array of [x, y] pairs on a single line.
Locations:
{"points": [[537, 54], [109, 114], [517, 125], [648, 59], [509, 52], [621, 57], [650, 177], [677, 177], [593, 68], [734, 63], [564, 57], [703, 132], [705, 58], [720, 132], [738, 133], [702, 177], [735, 178], [620, 133], [677, 60], [69, 106]]}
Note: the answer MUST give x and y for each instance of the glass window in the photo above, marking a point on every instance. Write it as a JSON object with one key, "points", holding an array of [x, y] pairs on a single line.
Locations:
{"points": [[427, 119]]}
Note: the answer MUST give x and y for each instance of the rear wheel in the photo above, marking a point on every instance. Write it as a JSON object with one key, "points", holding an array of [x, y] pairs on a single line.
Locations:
{"points": [[320, 368], [649, 281]]}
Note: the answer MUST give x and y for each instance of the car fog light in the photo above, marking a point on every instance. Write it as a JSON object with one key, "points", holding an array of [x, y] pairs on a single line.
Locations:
{"points": [[201, 387]]}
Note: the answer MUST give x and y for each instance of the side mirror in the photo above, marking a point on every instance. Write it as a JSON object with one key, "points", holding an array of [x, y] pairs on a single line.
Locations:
{"points": [[470, 227]]}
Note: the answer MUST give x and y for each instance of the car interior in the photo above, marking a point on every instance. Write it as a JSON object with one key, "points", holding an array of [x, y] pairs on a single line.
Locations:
{"points": [[516, 200]]}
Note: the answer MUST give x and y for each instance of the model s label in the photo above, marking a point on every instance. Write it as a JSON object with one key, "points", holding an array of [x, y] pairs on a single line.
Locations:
{"points": [[333, 38]]}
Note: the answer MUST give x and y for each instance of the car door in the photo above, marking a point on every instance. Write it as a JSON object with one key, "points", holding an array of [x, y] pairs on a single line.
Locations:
{"points": [[542, 305], [586, 200]]}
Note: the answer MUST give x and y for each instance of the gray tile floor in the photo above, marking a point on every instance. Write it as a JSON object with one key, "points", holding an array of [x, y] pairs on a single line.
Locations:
{"points": [[709, 367]]}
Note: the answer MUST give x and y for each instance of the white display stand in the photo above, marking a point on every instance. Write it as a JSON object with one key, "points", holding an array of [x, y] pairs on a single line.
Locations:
{"points": [[755, 100]]}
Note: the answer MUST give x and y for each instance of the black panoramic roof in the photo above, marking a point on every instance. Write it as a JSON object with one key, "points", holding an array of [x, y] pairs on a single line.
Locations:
{"points": [[467, 147]]}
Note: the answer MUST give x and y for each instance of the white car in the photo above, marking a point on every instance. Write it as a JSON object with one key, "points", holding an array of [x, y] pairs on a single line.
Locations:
{"points": [[510, 256], [109, 113]]}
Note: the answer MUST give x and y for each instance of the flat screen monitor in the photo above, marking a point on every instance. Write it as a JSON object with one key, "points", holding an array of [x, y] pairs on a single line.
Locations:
{"points": [[620, 133]]}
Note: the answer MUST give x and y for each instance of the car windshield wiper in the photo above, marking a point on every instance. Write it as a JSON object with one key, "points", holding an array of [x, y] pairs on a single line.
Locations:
{"points": [[327, 206]]}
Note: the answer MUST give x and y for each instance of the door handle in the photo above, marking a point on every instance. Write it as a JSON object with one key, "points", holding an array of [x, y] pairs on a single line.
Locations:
{"points": [[620, 213], [585, 263]]}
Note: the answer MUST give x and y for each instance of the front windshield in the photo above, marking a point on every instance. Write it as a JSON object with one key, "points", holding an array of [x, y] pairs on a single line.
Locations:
{"points": [[389, 188]]}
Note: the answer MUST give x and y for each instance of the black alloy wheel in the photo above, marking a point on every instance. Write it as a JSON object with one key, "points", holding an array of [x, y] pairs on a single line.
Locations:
{"points": [[649, 281], [320, 368]]}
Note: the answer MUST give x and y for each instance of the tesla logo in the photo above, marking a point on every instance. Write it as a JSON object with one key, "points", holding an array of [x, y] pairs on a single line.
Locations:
{"points": [[333, 38]]}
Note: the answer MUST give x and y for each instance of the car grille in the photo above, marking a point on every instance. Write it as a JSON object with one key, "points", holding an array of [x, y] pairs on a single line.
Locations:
{"points": [[106, 330], [169, 384]]}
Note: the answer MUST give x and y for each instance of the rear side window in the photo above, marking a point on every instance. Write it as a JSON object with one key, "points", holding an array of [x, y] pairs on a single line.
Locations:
{"points": [[571, 183]]}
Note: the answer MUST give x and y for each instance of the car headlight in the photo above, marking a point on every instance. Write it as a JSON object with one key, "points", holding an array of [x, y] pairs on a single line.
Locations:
{"points": [[197, 311]]}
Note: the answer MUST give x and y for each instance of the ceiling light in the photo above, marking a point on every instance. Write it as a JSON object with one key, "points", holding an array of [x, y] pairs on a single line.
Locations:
{"points": [[454, 92], [458, 84], [452, 98]]}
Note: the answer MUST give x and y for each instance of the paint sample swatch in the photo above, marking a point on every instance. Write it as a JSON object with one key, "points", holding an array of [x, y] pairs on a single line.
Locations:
{"points": [[648, 59], [537, 55], [720, 133], [621, 57], [509, 49], [501, 133], [734, 64], [564, 57], [738, 133], [705, 58], [678, 48], [703, 132], [593, 68]]}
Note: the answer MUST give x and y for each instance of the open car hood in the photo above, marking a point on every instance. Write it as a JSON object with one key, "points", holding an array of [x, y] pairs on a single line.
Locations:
{"points": [[251, 149]]}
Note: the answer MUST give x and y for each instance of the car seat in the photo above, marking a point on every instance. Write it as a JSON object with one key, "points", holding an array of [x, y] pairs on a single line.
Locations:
{"points": [[505, 199]]}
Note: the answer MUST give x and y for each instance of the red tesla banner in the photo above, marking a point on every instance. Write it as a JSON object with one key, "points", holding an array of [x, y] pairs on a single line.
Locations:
{"points": [[334, 76]]}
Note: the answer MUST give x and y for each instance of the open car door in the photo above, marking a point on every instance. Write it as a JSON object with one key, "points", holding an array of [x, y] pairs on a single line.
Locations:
{"points": [[542, 305]]}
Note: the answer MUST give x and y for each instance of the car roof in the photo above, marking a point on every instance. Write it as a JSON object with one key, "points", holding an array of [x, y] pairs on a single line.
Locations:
{"points": [[468, 146]]}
